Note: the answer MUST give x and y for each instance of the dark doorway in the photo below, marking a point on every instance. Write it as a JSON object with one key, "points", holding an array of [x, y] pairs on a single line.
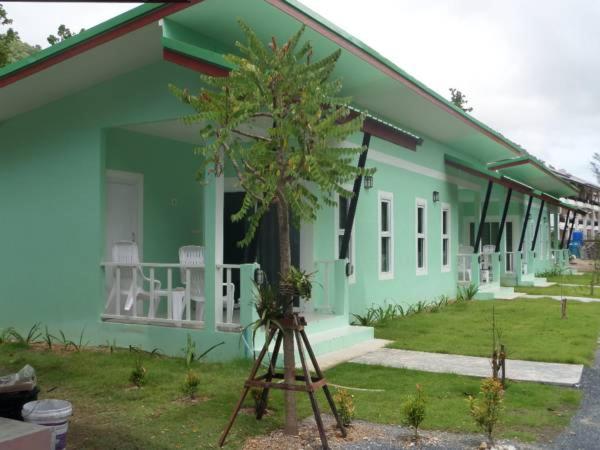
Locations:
{"points": [[264, 249]]}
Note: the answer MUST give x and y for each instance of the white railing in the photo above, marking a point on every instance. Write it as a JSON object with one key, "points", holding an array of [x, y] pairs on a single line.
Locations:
{"points": [[154, 299], [464, 268], [510, 262]]}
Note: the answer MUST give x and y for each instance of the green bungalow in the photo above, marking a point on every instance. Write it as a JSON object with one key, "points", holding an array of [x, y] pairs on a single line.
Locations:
{"points": [[105, 229]]}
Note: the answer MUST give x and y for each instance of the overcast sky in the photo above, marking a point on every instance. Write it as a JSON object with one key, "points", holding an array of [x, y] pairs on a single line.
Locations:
{"points": [[530, 72]]}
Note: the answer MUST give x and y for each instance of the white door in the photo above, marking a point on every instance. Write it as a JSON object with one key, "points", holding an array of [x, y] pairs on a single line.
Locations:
{"points": [[123, 210]]}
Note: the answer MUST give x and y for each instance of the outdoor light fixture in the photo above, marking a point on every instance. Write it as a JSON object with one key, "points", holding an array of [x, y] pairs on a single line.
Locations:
{"points": [[436, 196], [368, 181], [259, 276], [349, 269]]}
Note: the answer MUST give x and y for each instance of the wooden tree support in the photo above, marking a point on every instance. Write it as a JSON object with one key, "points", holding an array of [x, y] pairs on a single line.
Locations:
{"points": [[307, 383]]}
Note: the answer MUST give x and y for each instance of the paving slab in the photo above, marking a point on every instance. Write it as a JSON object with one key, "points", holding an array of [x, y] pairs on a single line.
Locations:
{"points": [[541, 372]]}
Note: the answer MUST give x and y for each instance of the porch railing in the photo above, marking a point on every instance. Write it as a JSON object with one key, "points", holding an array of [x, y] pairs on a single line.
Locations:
{"points": [[153, 298]]}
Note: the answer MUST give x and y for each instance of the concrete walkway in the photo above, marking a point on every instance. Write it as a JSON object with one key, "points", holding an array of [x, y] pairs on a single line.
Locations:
{"points": [[550, 373], [558, 297]]}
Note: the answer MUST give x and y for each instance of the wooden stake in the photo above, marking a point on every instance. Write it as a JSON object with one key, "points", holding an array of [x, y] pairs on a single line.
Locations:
{"points": [[309, 384]]}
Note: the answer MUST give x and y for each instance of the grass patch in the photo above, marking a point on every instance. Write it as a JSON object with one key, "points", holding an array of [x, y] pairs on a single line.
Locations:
{"points": [[584, 279], [531, 330], [569, 291], [532, 411], [110, 413]]}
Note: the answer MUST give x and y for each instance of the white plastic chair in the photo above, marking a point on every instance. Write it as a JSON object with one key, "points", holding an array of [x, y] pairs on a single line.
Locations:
{"points": [[191, 258], [132, 278], [486, 263]]}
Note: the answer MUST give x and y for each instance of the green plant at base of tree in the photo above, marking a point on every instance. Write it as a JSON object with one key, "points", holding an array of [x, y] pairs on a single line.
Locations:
{"points": [[487, 407], [414, 410], [344, 403]]}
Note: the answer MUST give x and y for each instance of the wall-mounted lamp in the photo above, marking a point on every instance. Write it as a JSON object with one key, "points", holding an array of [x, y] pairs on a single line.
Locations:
{"points": [[259, 276], [436, 196], [368, 181], [349, 269]]}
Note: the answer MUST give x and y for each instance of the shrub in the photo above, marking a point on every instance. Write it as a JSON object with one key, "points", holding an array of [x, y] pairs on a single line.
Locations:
{"points": [[190, 354], [259, 408], [486, 408], [414, 410], [366, 320], [344, 402], [138, 374], [190, 384], [466, 293]]}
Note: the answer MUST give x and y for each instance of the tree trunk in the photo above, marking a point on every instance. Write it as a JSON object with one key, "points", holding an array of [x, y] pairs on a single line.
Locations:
{"points": [[289, 363]]}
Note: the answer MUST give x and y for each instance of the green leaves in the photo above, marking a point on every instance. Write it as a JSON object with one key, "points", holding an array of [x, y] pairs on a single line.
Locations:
{"points": [[279, 123]]}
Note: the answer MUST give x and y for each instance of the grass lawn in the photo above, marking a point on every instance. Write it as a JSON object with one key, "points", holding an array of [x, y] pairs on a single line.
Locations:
{"points": [[585, 279], [569, 291], [531, 330], [109, 413]]}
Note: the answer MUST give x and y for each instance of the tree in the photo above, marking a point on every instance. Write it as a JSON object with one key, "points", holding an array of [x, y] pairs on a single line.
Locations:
{"points": [[278, 121], [459, 99], [5, 38], [63, 33], [12, 48]]}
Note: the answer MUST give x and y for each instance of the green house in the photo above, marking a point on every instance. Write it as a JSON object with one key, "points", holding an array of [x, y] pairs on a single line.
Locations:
{"points": [[105, 229]]}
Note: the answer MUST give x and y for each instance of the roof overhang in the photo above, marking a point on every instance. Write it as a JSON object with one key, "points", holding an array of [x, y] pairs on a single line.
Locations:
{"points": [[501, 179]]}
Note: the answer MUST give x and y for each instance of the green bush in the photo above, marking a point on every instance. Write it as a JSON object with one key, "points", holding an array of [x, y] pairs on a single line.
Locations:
{"points": [[139, 373], [190, 384], [414, 410], [486, 408], [344, 403]]}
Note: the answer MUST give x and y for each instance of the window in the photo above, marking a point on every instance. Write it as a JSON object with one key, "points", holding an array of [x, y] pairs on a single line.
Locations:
{"points": [[386, 235], [341, 222], [421, 235], [445, 237]]}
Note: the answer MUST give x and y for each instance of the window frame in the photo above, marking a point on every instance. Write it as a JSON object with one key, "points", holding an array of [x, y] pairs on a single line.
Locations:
{"points": [[387, 197], [446, 236], [421, 203]]}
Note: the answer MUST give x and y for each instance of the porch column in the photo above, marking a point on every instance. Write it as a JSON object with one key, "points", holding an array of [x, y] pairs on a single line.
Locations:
{"points": [[537, 225], [213, 248], [571, 230], [525, 221], [503, 221], [362, 160], [564, 233], [484, 209]]}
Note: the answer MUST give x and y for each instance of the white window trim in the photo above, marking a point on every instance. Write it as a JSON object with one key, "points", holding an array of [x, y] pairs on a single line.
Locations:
{"points": [[421, 203], [336, 246], [447, 235], [388, 197]]}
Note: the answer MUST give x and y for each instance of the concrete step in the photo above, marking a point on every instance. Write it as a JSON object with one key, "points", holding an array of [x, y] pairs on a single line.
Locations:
{"points": [[496, 292], [326, 336], [334, 358], [533, 281]]}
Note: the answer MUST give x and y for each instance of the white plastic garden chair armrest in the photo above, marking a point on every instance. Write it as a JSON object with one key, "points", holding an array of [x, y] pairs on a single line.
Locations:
{"points": [[157, 282]]}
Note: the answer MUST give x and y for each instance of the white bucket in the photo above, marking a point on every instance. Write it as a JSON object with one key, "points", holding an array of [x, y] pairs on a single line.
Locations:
{"points": [[50, 413]]}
